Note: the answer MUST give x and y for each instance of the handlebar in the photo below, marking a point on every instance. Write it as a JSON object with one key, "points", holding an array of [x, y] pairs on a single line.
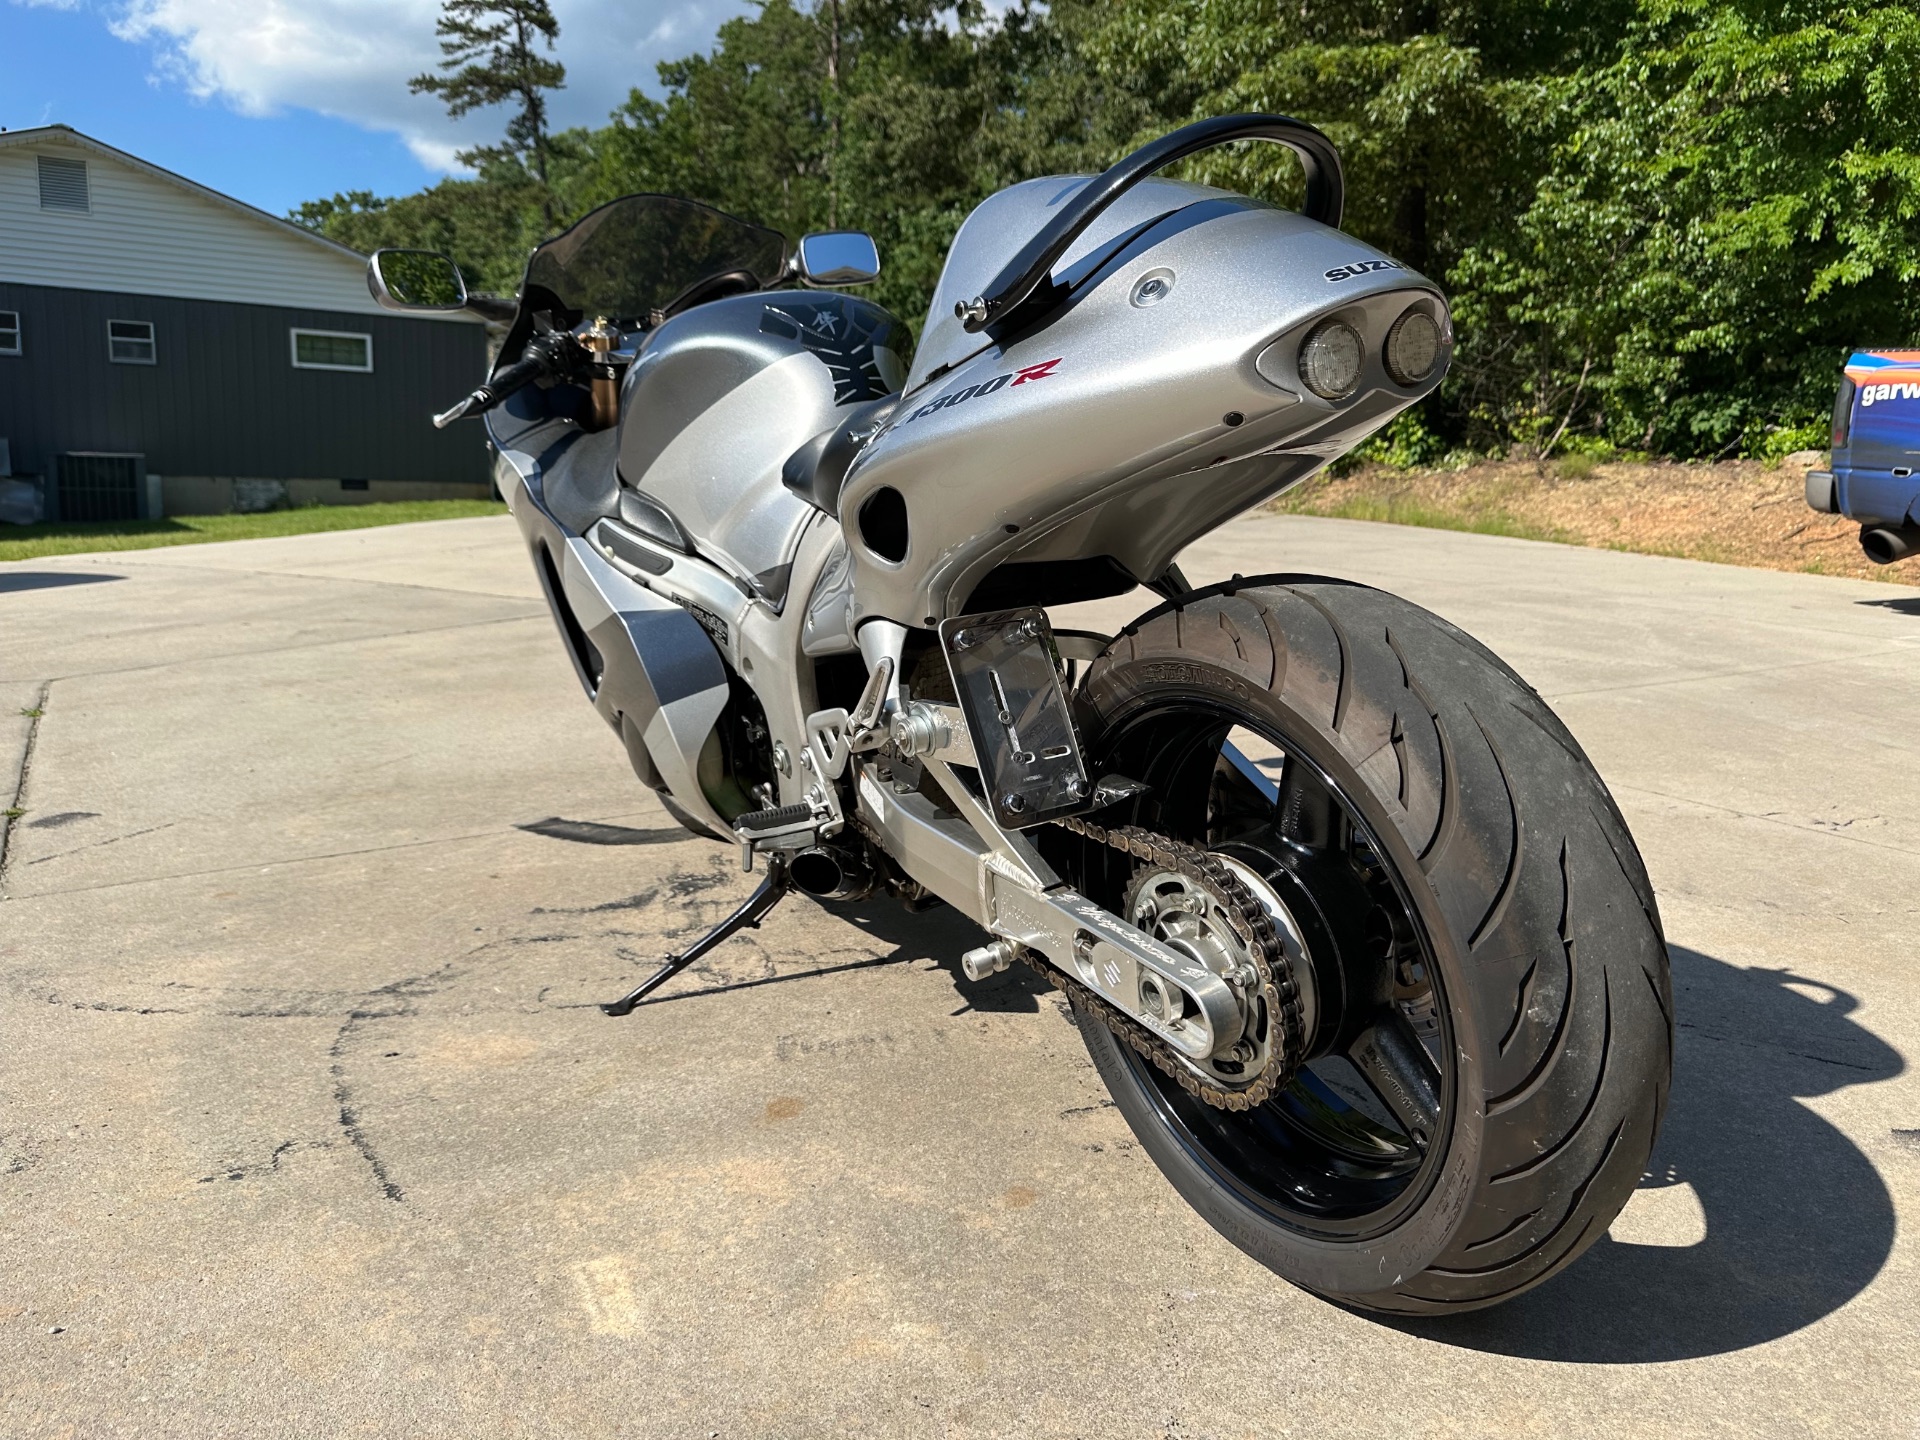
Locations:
{"points": [[1025, 288], [545, 355]]}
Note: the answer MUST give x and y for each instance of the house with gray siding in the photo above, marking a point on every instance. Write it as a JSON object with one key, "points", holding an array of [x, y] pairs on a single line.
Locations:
{"points": [[168, 349]]}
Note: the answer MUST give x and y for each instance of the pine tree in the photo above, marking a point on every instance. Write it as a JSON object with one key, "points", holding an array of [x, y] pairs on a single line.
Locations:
{"points": [[490, 58]]}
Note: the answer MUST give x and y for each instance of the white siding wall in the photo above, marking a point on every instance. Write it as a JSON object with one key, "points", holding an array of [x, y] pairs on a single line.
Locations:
{"points": [[147, 236]]}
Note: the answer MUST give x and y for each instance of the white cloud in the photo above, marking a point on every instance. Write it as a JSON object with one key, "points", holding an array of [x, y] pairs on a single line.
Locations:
{"points": [[352, 58]]}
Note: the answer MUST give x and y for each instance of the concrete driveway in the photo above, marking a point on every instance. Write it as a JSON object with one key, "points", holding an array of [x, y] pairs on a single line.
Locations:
{"points": [[308, 1126]]}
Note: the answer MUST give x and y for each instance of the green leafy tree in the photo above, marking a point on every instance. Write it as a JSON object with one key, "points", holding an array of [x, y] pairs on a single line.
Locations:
{"points": [[888, 115], [487, 226], [491, 51], [1660, 222], [1733, 207]]}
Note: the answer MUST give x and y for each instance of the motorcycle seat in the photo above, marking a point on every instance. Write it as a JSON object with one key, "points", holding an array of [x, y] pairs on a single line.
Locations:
{"points": [[816, 471]]}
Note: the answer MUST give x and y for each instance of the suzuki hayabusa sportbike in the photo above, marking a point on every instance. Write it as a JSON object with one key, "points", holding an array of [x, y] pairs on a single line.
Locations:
{"points": [[1355, 935]]}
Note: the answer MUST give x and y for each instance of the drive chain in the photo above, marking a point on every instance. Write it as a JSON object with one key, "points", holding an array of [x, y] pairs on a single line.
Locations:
{"points": [[1275, 982]]}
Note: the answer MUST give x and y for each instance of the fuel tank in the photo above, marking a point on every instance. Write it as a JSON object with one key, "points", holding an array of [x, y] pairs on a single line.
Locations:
{"points": [[718, 397], [1163, 397]]}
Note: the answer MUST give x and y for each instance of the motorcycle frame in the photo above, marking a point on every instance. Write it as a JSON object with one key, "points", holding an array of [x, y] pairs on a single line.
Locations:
{"points": [[616, 583]]}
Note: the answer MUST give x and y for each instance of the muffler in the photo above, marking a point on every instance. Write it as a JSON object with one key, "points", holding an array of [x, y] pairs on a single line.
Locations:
{"points": [[1884, 544], [832, 872]]}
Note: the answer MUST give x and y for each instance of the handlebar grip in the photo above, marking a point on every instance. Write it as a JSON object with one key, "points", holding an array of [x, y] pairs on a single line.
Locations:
{"points": [[1026, 280], [524, 371]]}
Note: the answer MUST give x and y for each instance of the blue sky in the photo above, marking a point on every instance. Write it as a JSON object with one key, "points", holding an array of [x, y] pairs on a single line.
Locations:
{"points": [[279, 101]]}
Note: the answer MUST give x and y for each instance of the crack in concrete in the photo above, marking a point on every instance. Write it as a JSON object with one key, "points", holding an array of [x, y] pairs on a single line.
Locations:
{"points": [[263, 866], [343, 1096], [1751, 1044], [280, 1152], [1557, 696], [15, 806], [312, 645], [100, 844], [107, 1009], [241, 570], [1768, 818], [413, 987]]}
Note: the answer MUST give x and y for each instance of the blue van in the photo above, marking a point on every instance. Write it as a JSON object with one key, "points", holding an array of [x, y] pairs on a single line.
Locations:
{"points": [[1876, 450]]}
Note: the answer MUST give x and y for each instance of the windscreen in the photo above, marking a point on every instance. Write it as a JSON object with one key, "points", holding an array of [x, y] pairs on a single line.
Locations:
{"points": [[640, 254]]}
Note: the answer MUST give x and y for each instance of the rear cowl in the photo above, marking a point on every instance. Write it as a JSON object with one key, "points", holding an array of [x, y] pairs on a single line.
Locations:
{"points": [[1163, 398]]}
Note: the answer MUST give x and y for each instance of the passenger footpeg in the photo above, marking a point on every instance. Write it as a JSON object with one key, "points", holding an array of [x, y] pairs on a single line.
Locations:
{"points": [[747, 917]]}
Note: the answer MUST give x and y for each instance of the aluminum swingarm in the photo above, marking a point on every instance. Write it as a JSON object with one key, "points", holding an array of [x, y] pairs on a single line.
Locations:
{"points": [[1179, 1014], [1229, 1034]]}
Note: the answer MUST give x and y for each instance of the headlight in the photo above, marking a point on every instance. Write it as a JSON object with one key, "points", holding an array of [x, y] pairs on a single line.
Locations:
{"points": [[1330, 360], [1413, 344]]}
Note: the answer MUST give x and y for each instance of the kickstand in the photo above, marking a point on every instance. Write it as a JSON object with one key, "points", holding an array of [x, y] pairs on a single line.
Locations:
{"points": [[747, 917]]}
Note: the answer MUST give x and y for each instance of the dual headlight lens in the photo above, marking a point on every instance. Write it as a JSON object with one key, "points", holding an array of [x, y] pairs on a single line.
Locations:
{"points": [[1331, 360]]}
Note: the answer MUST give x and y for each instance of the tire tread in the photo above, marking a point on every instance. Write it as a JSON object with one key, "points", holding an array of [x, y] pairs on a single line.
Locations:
{"points": [[1543, 894]]}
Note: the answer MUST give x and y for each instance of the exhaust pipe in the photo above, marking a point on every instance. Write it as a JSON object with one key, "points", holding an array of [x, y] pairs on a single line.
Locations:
{"points": [[1884, 544], [832, 873]]}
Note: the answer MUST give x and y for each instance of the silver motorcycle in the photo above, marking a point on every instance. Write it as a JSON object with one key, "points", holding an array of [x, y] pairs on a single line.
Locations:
{"points": [[1354, 933]]}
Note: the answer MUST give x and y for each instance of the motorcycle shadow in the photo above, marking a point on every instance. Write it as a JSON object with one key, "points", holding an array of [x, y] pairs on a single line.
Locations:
{"points": [[942, 936], [1797, 1219]]}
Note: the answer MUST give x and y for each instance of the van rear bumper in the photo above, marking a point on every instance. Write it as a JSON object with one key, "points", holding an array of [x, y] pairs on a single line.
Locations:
{"points": [[1873, 496]]}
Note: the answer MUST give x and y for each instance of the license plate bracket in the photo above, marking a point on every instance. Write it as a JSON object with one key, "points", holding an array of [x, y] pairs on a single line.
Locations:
{"points": [[1006, 675]]}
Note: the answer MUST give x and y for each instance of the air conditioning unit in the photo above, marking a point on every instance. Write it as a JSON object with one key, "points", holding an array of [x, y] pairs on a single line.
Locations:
{"points": [[97, 485]]}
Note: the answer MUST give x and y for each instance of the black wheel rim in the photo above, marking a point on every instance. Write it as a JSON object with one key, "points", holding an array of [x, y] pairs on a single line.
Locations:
{"points": [[1352, 1146]]}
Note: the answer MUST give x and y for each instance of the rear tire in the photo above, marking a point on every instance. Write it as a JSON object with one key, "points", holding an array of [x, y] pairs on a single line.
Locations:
{"points": [[1441, 779]]}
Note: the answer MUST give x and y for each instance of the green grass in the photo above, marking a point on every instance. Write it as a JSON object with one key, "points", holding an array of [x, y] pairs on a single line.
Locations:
{"points": [[38, 542], [1396, 510]]}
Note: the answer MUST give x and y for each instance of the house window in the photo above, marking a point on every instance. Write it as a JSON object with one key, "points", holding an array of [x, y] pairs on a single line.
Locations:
{"points": [[332, 350], [9, 332], [63, 185], [130, 342]]}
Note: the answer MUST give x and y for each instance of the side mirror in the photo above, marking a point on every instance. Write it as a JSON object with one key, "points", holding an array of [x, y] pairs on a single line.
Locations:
{"points": [[416, 280], [838, 257]]}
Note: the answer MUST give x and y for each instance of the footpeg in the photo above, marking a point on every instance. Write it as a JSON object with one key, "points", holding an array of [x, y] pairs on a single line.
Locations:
{"points": [[781, 820]]}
